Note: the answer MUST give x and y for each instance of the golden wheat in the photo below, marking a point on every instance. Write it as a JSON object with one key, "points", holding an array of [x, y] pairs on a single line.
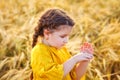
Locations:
{"points": [[97, 21]]}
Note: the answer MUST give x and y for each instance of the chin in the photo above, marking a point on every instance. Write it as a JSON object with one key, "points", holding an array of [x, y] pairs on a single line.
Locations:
{"points": [[59, 47]]}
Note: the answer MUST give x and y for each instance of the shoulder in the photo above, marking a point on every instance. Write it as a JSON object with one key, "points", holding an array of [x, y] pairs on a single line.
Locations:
{"points": [[40, 54], [39, 49]]}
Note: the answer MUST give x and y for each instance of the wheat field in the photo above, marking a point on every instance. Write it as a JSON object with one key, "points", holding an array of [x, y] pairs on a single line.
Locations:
{"points": [[96, 21]]}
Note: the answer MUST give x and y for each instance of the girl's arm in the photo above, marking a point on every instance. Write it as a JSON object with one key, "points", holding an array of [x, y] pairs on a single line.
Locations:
{"points": [[81, 69], [83, 59], [69, 64], [82, 66]]}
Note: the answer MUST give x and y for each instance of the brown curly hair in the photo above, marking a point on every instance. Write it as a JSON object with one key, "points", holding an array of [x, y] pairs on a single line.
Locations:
{"points": [[51, 19]]}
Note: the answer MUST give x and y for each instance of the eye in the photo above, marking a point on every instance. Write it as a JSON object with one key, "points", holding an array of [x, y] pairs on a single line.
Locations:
{"points": [[63, 36]]}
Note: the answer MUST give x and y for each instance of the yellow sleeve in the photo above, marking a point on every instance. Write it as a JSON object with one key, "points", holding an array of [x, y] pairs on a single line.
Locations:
{"points": [[43, 67]]}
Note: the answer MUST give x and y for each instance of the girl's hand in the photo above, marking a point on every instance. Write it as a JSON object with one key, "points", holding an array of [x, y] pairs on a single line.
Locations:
{"points": [[83, 57], [86, 48], [86, 53]]}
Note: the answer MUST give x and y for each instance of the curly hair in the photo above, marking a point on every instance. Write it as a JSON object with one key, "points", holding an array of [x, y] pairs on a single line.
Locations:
{"points": [[51, 19]]}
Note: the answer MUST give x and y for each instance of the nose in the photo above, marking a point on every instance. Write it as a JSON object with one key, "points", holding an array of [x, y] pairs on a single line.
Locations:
{"points": [[65, 40]]}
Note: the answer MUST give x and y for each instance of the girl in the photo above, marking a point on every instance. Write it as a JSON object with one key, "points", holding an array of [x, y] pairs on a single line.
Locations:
{"points": [[50, 60]]}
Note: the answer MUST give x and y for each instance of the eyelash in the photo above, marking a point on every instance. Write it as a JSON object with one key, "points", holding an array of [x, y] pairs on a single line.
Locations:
{"points": [[62, 36]]}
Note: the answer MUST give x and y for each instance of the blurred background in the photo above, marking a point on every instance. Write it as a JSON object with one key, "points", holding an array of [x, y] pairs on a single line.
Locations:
{"points": [[96, 21]]}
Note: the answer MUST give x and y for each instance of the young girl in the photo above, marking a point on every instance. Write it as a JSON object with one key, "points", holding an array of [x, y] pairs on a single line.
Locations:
{"points": [[50, 60]]}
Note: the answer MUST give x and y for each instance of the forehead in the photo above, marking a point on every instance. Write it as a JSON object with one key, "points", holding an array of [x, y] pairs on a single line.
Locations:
{"points": [[63, 29]]}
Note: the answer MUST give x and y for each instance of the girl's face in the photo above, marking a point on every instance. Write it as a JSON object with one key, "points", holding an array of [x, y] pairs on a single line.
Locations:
{"points": [[59, 37]]}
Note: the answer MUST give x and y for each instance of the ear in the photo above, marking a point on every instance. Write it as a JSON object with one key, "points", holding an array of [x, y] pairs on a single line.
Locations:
{"points": [[46, 33]]}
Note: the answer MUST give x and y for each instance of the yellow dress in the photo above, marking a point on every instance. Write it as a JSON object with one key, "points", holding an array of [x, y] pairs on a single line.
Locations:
{"points": [[47, 63]]}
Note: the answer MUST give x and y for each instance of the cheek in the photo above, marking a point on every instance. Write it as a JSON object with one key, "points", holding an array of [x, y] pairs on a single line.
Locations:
{"points": [[58, 40]]}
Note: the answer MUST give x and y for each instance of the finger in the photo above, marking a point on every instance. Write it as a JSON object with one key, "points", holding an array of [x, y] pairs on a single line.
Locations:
{"points": [[86, 44], [87, 51], [88, 55]]}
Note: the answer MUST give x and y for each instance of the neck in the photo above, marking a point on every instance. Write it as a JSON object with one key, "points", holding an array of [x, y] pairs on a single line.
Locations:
{"points": [[44, 41]]}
